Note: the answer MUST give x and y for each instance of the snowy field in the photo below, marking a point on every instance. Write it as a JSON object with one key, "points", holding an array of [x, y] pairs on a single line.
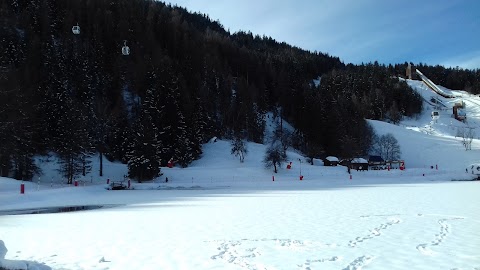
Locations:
{"points": [[430, 225], [223, 214]]}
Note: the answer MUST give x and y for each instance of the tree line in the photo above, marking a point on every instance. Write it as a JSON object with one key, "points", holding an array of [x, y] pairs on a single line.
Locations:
{"points": [[186, 80]]}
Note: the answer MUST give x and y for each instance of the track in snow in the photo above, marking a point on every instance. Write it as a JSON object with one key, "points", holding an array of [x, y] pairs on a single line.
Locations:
{"points": [[426, 248]]}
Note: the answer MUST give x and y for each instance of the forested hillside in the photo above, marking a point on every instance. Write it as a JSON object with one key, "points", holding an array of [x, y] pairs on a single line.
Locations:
{"points": [[453, 78], [185, 80]]}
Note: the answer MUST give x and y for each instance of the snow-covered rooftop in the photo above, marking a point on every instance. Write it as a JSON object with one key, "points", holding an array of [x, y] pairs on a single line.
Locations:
{"points": [[332, 158], [359, 160]]}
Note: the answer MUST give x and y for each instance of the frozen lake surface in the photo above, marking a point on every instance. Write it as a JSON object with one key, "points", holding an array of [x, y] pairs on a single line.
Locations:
{"points": [[385, 226]]}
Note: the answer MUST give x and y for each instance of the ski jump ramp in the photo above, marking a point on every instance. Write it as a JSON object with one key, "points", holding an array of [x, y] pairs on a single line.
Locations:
{"points": [[433, 86]]}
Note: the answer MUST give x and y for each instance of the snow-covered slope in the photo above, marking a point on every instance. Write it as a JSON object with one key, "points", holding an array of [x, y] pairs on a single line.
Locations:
{"points": [[472, 104], [223, 214], [427, 142], [425, 146], [423, 141]]}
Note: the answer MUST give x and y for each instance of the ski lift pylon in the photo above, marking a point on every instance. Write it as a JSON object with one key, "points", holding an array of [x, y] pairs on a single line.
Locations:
{"points": [[125, 48], [76, 29]]}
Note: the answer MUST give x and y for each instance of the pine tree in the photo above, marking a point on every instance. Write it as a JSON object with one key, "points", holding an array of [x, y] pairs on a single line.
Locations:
{"points": [[23, 153], [146, 146], [145, 150], [199, 127], [73, 145], [176, 142], [117, 137]]}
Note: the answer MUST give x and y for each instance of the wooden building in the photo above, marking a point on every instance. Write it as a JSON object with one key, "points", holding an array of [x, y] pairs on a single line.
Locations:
{"points": [[359, 164], [376, 163], [330, 161]]}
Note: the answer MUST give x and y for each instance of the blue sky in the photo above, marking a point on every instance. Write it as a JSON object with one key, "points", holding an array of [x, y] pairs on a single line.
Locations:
{"points": [[444, 32]]}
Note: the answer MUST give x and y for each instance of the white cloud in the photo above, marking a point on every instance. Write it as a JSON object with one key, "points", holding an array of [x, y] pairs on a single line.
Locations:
{"points": [[468, 61]]}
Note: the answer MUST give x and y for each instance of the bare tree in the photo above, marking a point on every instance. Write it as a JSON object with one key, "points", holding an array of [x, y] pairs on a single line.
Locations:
{"points": [[460, 132], [467, 135], [239, 148], [282, 135], [274, 156], [387, 147]]}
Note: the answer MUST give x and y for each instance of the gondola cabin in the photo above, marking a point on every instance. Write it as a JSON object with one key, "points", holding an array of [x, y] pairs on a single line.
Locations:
{"points": [[76, 29], [125, 49]]}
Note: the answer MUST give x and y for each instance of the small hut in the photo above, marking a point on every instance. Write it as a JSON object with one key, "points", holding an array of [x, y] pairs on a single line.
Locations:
{"points": [[376, 163], [330, 161], [359, 164]]}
